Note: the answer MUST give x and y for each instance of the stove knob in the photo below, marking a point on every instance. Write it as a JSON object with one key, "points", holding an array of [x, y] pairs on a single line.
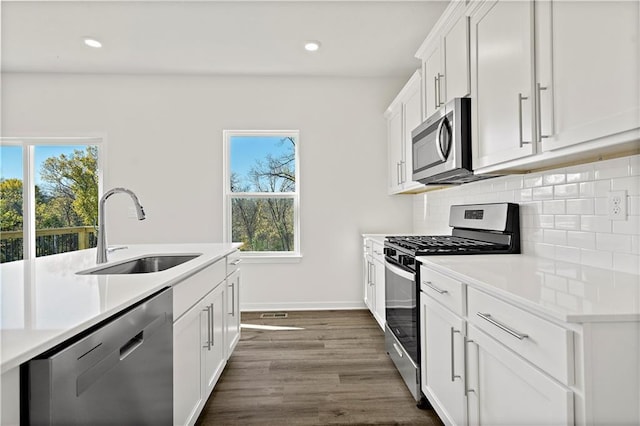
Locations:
{"points": [[406, 260], [389, 252]]}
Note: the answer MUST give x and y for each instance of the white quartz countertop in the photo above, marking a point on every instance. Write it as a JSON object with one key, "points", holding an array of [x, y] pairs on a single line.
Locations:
{"points": [[556, 290], [44, 301]]}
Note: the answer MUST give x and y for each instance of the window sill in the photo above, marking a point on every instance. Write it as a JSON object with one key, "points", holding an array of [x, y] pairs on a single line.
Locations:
{"points": [[294, 258]]}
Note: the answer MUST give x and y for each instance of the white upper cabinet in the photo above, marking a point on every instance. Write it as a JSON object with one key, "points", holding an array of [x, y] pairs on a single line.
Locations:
{"points": [[445, 60], [502, 82], [403, 115], [587, 69], [553, 82]]}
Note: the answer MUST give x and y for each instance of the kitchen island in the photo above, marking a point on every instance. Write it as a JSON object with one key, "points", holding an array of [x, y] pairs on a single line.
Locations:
{"points": [[45, 301]]}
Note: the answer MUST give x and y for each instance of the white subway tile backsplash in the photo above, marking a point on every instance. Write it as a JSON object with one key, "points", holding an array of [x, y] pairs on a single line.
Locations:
{"points": [[532, 181], [554, 178], [543, 193], [595, 223], [631, 226], [580, 206], [626, 262], [563, 212], [630, 184], [553, 207], [555, 236], [613, 242], [597, 258], [567, 221], [580, 239], [608, 169], [570, 190]]}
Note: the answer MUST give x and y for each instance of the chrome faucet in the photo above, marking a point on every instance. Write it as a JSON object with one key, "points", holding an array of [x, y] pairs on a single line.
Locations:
{"points": [[102, 238]]}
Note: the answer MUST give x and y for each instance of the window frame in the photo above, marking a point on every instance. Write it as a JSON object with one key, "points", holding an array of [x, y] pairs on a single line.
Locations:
{"points": [[28, 145], [228, 196]]}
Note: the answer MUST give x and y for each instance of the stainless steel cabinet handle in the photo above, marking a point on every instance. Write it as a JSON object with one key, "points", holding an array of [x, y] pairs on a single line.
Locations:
{"points": [[398, 350], [520, 99], [433, 287], [467, 391], [453, 374], [440, 77], [539, 89], [235, 262], [213, 341], [233, 299], [514, 333], [208, 345], [398, 173], [402, 171], [435, 92]]}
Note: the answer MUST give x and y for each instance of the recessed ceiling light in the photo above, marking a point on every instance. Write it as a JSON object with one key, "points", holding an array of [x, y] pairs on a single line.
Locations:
{"points": [[312, 46], [92, 42]]}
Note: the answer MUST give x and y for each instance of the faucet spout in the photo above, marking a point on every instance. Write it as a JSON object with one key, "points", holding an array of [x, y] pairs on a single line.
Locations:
{"points": [[102, 237]]}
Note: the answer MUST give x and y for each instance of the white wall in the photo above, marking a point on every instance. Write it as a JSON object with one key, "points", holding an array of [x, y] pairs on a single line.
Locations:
{"points": [[563, 212], [164, 141]]}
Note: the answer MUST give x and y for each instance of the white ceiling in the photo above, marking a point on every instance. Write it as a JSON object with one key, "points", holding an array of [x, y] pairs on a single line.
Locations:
{"points": [[359, 38]]}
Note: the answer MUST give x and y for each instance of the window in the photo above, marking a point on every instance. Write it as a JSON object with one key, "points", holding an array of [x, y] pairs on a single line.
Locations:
{"points": [[49, 191], [262, 192]]}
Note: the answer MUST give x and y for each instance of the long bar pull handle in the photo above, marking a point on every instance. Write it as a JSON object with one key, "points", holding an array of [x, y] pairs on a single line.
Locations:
{"points": [[433, 287], [453, 374], [233, 299], [436, 91], [236, 262], [466, 361], [440, 77], [213, 341], [514, 333], [520, 99], [398, 350], [398, 179], [539, 89], [208, 345]]}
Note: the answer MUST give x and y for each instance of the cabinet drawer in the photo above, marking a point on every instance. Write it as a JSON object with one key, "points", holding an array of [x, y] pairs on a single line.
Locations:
{"points": [[195, 287], [445, 290], [540, 342], [233, 262]]}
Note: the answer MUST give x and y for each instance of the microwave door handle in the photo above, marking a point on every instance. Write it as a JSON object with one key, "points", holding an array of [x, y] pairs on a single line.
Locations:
{"points": [[438, 142]]}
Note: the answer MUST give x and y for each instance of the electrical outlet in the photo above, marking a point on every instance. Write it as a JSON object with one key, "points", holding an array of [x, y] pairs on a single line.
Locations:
{"points": [[617, 205]]}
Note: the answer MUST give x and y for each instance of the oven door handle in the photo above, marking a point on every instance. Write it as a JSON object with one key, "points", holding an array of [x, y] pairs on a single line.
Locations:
{"points": [[400, 272]]}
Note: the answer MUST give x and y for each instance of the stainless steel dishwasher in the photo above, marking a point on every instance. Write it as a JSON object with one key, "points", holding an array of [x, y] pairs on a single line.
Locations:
{"points": [[118, 373]]}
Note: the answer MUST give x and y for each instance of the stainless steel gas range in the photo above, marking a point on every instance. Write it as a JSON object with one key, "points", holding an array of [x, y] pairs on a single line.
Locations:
{"points": [[477, 229]]}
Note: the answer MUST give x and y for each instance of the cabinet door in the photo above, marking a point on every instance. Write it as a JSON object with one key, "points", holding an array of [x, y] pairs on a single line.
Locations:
{"points": [[412, 119], [394, 146], [431, 82], [504, 389], [214, 352], [378, 278], [233, 312], [455, 43], [443, 379], [189, 333], [588, 70], [502, 81]]}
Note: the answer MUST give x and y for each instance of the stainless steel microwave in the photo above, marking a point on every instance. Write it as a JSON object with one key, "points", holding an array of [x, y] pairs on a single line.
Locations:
{"points": [[441, 146]]}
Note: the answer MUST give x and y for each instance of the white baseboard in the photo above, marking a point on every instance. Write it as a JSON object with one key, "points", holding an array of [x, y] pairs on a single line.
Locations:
{"points": [[301, 306]]}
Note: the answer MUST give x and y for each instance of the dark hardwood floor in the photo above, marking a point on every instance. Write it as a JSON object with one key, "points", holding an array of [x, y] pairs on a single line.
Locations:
{"points": [[333, 370]]}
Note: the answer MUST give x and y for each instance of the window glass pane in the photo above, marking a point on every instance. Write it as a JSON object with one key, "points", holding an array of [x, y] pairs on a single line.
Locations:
{"points": [[66, 193], [262, 164], [263, 224], [11, 190]]}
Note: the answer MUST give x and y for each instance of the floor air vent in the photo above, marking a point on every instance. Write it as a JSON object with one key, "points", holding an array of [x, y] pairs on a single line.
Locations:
{"points": [[274, 315]]}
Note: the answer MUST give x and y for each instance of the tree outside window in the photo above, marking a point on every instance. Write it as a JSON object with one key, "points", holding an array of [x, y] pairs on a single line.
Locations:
{"points": [[262, 191], [63, 185]]}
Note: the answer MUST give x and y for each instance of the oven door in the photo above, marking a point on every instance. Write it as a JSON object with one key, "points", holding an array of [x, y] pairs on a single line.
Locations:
{"points": [[401, 307]]}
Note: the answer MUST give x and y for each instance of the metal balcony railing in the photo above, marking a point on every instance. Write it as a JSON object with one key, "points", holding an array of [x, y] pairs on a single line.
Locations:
{"points": [[48, 241]]}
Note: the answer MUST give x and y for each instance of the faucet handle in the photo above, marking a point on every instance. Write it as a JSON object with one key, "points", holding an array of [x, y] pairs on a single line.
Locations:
{"points": [[114, 248]]}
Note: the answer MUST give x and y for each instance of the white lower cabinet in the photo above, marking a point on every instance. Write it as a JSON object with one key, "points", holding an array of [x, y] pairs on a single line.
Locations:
{"points": [[443, 360], [373, 271], [504, 389], [205, 332]]}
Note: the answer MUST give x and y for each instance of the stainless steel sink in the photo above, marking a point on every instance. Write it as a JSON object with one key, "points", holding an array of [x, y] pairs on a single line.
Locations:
{"points": [[142, 265]]}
